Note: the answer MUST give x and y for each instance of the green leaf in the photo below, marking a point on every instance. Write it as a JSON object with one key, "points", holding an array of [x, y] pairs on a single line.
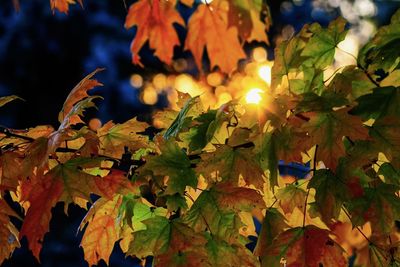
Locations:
{"points": [[229, 163], [330, 194], [287, 57], [153, 240], [208, 213], [222, 254], [321, 46], [290, 197], [392, 175], [175, 164], [272, 225], [172, 243], [201, 133], [379, 205], [184, 117], [383, 101], [281, 144], [385, 132], [382, 51]]}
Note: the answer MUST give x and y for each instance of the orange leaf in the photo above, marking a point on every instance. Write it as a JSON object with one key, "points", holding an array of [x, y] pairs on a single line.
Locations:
{"points": [[309, 246], [207, 28], [8, 232], [101, 232], [154, 20], [63, 5], [78, 93], [64, 183]]}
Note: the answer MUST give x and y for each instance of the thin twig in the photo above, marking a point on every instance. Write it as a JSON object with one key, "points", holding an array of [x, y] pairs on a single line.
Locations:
{"points": [[358, 228]]}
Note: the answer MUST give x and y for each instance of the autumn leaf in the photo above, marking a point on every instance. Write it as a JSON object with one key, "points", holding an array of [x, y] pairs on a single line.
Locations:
{"points": [[78, 93], [102, 230], [6, 99], [63, 5], [115, 137], [171, 242], [10, 170], [8, 232], [64, 183], [272, 225], [382, 52], [229, 163], [379, 205], [221, 253], [327, 129], [290, 197], [245, 16], [154, 20], [306, 246], [383, 101], [216, 209], [205, 28], [174, 164], [281, 144], [385, 132], [183, 119], [331, 193]]}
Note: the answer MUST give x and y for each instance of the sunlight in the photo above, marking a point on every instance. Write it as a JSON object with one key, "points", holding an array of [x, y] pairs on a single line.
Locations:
{"points": [[254, 96]]}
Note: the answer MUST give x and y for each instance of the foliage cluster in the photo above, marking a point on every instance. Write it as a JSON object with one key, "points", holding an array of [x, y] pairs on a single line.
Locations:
{"points": [[187, 196]]}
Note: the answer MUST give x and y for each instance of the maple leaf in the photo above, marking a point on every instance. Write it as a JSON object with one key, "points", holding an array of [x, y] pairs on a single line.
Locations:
{"points": [[327, 129], [245, 16], [306, 246], [331, 193], [133, 211], [78, 93], [190, 108], [102, 231], [174, 164], [64, 183], [285, 144], [8, 232], [154, 20], [216, 209], [385, 132], [6, 99], [229, 163], [290, 197], [10, 170], [205, 28], [272, 225], [321, 46], [382, 52], [115, 137], [383, 101], [220, 253], [391, 174], [171, 242], [63, 5], [379, 205], [287, 57]]}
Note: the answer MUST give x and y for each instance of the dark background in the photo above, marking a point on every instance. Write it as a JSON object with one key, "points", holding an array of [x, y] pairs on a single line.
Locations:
{"points": [[43, 56]]}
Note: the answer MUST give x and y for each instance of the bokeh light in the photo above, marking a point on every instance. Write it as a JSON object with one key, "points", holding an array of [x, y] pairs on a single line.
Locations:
{"points": [[264, 72], [136, 80], [260, 54]]}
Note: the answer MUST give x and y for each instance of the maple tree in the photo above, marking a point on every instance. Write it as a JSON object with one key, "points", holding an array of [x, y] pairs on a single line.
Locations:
{"points": [[190, 190]]}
